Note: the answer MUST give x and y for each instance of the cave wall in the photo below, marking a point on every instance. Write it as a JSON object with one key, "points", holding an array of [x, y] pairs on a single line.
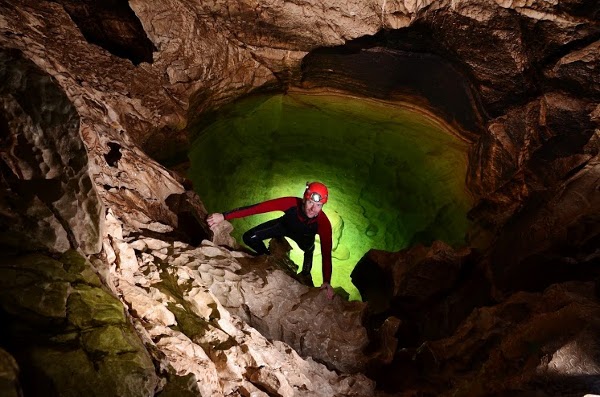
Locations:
{"points": [[49, 199], [117, 106], [530, 73]]}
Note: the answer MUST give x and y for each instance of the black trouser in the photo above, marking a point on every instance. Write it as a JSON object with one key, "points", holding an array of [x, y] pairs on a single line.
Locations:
{"points": [[276, 228]]}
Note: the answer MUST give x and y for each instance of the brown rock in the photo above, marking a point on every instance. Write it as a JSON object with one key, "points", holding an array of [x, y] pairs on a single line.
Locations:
{"points": [[9, 375], [430, 289], [531, 342], [579, 70]]}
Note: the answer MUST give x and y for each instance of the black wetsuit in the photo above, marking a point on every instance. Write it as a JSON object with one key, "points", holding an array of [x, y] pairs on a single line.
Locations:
{"points": [[293, 224]]}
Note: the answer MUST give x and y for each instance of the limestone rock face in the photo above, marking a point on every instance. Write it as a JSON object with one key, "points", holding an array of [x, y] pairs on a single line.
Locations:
{"points": [[49, 200], [196, 305], [113, 25], [540, 143], [535, 161]]}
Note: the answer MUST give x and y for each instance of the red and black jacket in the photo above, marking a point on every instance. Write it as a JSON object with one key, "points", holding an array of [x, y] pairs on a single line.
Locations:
{"points": [[296, 222]]}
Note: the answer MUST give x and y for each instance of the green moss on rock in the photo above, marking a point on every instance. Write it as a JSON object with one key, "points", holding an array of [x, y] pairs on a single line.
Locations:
{"points": [[90, 307], [79, 267], [69, 332], [109, 340], [73, 374]]}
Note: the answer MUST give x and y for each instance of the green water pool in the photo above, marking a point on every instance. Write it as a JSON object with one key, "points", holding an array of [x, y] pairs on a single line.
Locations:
{"points": [[396, 176]]}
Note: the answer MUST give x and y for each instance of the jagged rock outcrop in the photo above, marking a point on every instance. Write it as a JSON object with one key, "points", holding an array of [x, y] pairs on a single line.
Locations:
{"points": [[531, 344], [174, 321], [431, 290], [50, 200], [196, 306], [541, 163], [78, 120], [541, 343]]}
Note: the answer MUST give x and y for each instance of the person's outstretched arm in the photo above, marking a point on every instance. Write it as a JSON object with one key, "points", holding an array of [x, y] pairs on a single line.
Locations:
{"points": [[278, 204]]}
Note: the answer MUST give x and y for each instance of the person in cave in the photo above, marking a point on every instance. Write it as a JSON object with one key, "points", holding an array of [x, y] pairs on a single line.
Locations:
{"points": [[302, 220]]}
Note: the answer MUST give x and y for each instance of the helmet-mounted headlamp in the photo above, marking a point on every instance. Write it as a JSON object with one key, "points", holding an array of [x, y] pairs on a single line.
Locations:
{"points": [[316, 192], [316, 197]]}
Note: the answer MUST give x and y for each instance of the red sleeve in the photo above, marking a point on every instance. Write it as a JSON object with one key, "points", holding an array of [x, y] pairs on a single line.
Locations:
{"points": [[325, 233], [278, 204]]}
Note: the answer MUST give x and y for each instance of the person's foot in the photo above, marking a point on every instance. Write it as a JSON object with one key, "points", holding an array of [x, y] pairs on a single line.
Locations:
{"points": [[305, 278]]}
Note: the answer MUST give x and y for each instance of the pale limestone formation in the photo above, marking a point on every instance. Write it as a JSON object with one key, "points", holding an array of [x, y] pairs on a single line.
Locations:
{"points": [[134, 188], [196, 306]]}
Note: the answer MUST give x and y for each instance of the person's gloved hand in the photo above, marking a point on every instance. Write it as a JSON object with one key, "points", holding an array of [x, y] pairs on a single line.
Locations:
{"points": [[215, 219], [328, 290]]}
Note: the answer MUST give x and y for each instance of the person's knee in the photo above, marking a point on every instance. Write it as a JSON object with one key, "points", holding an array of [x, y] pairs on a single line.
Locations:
{"points": [[310, 249], [254, 241], [250, 238]]}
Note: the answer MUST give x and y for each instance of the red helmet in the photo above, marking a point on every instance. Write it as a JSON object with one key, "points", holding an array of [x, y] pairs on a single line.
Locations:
{"points": [[316, 191]]}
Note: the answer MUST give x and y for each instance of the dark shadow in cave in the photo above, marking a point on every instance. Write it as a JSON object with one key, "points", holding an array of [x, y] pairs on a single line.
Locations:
{"points": [[431, 316], [4, 131], [113, 26], [190, 228], [397, 65], [17, 336], [114, 155], [573, 371]]}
